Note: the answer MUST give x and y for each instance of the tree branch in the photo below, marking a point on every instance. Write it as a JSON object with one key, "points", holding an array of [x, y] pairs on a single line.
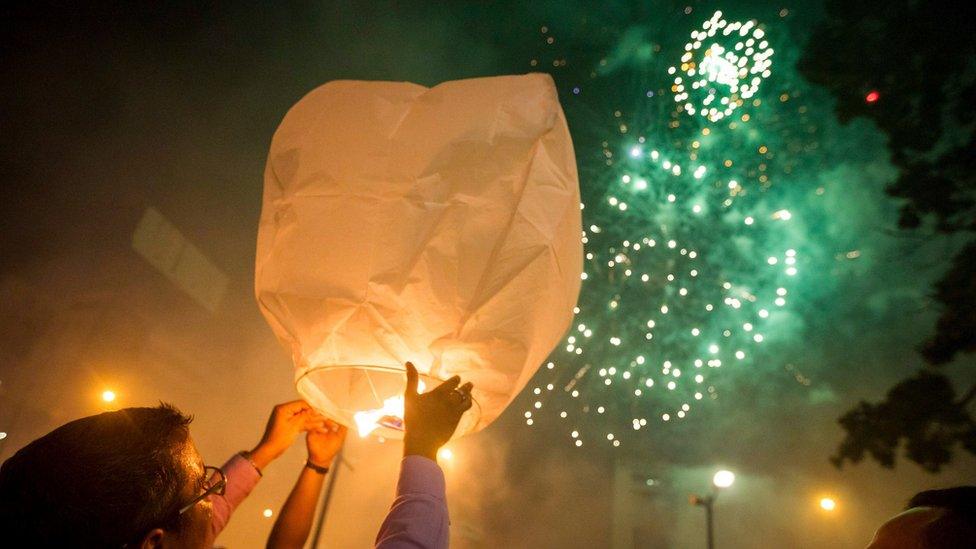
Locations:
{"points": [[964, 401]]}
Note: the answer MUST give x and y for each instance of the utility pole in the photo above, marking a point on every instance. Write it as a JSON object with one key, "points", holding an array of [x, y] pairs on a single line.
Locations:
{"points": [[707, 502], [325, 499]]}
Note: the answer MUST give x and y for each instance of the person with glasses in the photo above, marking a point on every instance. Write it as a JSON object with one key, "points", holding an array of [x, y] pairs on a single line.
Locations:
{"points": [[133, 478]]}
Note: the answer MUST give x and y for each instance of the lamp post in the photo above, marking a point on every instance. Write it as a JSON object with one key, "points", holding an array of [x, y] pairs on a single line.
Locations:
{"points": [[722, 479], [828, 504], [327, 498]]}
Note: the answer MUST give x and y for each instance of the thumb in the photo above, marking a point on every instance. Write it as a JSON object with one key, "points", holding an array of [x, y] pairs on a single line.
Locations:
{"points": [[412, 380]]}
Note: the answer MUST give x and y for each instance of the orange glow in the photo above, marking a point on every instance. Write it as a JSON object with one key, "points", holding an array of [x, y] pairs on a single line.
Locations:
{"points": [[390, 415]]}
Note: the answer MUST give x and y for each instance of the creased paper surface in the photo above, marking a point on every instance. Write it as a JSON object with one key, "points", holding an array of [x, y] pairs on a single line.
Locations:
{"points": [[436, 225]]}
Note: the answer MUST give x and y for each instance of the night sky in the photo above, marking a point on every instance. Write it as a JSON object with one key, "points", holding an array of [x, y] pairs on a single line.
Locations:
{"points": [[115, 114]]}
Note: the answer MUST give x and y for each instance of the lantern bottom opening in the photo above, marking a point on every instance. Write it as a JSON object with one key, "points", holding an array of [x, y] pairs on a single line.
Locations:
{"points": [[373, 395]]}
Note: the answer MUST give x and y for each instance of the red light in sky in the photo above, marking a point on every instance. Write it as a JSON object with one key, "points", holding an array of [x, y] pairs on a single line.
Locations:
{"points": [[872, 96]]}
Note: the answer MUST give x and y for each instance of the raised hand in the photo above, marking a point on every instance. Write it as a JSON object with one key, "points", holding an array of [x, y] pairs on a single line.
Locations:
{"points": [[324, 443], [286, 422], [431, 418]]}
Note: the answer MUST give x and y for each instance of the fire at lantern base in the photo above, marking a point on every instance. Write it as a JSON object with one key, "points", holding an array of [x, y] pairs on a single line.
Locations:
{"points": [[390, 415], [371, 399]]}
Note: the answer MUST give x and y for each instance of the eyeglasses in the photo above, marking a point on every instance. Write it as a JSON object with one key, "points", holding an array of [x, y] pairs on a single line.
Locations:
{"points": [[214, 483]]}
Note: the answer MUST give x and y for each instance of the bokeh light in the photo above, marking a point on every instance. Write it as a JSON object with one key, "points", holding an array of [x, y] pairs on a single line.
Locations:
{"points": [[828, 504], [723, 479]]}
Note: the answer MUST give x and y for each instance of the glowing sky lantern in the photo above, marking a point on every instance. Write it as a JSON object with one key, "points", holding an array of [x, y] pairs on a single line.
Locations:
{"points": [[434, 225]]}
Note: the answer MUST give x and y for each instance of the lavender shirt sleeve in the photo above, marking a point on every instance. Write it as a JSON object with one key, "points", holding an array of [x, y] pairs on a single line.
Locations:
{"points": [[418, 518], [241, 479]]}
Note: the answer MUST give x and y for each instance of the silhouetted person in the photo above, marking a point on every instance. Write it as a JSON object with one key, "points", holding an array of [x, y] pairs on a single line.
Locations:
{"points": [[133, 478], [935, 519]]}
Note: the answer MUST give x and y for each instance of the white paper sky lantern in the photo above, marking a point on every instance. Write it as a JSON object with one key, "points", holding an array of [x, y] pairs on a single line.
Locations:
{"points": [[434, 225]]}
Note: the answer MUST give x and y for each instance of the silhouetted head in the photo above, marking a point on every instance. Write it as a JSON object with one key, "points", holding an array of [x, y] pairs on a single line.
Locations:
{"points": [[110, 480], [934, 519]]}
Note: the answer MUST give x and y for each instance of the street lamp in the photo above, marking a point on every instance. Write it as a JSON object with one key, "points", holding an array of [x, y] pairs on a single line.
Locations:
{"points": [[721, 479], [828, 504]]}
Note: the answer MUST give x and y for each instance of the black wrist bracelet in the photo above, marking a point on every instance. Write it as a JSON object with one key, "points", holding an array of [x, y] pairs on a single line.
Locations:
{"points": [[316, 468]]}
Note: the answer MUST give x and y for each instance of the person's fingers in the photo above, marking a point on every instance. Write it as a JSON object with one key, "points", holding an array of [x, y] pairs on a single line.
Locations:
{"points": [[314, 425], [312, 414], [292, 408], [342, 432], [465, 395], [332, 425], [448, 385], [412, 379]]}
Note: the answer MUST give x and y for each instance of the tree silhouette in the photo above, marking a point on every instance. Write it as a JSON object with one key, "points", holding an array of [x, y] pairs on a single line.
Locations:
{"points": [[909, 67], [923, 411]]}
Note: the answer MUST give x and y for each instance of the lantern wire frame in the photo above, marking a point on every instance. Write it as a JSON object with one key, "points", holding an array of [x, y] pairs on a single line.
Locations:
{"points": [[359, 388]]}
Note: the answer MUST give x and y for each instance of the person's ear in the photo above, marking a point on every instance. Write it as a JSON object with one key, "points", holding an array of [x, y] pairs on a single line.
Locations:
{"points": [[153, 540]]}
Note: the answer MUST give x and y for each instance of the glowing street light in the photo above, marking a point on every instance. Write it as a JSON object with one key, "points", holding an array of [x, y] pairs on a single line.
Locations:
{"points": [[828, 504], [722, 479]]}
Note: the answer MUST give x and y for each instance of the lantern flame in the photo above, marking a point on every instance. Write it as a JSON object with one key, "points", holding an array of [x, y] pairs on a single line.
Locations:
{"points": [[390, 415]]}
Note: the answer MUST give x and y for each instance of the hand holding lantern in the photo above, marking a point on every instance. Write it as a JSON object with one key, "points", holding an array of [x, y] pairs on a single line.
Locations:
{"points": [[324, 443], [432, 417], [286, 422]]}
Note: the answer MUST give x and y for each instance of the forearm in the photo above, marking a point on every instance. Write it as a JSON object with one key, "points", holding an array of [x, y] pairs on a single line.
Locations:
{"points": [[296, 516], [418, 517], [262, 455]]}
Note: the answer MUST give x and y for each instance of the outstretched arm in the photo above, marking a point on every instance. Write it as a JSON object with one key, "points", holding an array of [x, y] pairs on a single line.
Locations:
{"points": [[294, 522], [419, 518], [244, 470]]}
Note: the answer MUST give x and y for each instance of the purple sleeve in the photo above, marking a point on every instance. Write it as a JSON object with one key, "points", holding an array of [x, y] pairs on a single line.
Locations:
{"points": [[241, 479], [418, 518]]}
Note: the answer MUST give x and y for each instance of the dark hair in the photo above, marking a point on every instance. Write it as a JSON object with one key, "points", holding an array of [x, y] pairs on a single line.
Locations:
{"points": [[957, 526], [97, 481]]}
